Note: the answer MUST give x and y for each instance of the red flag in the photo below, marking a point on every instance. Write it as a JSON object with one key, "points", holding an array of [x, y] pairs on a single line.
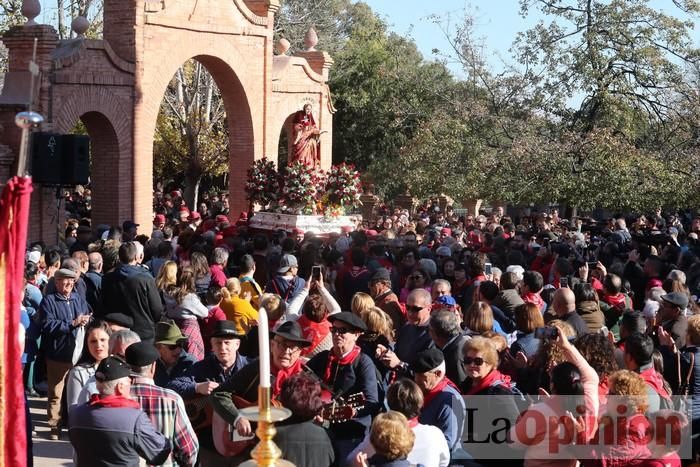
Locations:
{"points": [[14, 215]]}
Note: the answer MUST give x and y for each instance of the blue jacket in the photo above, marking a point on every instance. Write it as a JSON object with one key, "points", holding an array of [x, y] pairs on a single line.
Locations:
{"points": [[58, 334], [115, 437], [446, 411], [208, 369], [527, 344], [163, 377], [285, 289]]}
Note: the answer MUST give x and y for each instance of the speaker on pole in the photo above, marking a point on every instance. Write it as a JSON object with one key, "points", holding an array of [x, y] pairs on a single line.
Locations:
{"points": [[61, 160]]}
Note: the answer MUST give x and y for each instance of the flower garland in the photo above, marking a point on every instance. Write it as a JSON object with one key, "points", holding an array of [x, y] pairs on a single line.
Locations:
{"points": [[300, 188], [263, 183], [343, 189]]}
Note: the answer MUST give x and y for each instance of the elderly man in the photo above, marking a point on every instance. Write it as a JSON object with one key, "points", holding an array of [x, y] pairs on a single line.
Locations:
{"points": [[564, 305], [62, 312], [131, 290], [219, 259], [447, 336], [174, 361], [79, 287], [443, 405], [203, 377], [93, 280], [112, 429], [385, 298], [413, 337], [164, 407], [346, 371], [672, 318]]}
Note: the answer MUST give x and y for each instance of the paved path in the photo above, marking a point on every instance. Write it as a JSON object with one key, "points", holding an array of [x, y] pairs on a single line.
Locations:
{"points": [[48, 453]]}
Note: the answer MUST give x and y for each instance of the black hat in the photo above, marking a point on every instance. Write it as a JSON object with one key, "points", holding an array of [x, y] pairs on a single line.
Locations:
{"points": [[141, 354], [381, 274], [427, 360], [226, 329], [351, 319], [112, 368], [128, 225], [677, 299], [120, 319], [291, 331]]}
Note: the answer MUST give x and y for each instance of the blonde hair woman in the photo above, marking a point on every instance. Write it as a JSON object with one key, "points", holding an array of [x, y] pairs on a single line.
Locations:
{"points": [[167, 276], [392, 439], [236, 308], [478, 318], [361, 302]]}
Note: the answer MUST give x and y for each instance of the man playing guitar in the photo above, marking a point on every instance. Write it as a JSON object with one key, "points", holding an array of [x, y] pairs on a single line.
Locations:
{"points": [[346, 370], [285, 350]]}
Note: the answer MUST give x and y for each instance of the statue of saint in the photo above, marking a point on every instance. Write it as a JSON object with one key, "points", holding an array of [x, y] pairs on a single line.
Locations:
{"points": [[306, 135]]}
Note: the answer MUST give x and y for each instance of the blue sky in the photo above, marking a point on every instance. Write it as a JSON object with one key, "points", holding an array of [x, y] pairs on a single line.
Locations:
{"points": [[497, 22]]}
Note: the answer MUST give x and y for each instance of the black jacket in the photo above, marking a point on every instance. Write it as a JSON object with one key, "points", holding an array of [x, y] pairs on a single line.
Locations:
{"points": [[132, 290], [304, 443], [454, 360]]}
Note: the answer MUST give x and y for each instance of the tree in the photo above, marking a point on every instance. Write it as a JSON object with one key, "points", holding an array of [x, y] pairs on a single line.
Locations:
{"points": [[192, 136]]}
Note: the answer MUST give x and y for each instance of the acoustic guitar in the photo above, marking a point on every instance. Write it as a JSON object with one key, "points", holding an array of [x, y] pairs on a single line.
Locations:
{"points": [[199, 411], [337, 411]]}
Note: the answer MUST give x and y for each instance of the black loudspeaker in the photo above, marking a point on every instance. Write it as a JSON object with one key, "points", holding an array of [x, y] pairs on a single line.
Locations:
{"points": [[47, 158], [61, 160], [75, 150]]}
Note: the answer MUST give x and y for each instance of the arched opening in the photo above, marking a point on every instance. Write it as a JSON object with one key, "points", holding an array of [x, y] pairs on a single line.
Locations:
{"points": [[286, 142], [106, 172], [203, 140]]}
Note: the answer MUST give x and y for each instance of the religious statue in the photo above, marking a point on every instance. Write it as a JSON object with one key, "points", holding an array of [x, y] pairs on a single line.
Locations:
{"points": [[306, 138]]}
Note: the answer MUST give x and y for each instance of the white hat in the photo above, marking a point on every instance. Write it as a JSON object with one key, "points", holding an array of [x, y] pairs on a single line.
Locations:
{"points": [[34, 256]]}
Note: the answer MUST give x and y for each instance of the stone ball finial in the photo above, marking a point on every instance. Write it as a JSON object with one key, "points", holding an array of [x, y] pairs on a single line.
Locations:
{"points": [[282, 46], [30, 10], [80, 25], [311, 39]]}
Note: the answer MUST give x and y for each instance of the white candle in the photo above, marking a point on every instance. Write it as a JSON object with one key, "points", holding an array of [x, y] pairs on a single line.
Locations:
{"points": [[264, 348]]}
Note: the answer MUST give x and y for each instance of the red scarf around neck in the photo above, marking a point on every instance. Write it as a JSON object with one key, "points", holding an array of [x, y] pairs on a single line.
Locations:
{"points": [[490, 379], [334, 359], [535, 298], [439, 387], [113, 402], [283, 374], [313, 331]]}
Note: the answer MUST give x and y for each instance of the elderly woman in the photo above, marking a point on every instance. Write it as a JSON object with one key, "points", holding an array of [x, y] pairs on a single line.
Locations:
{"points": [[392, 439]]}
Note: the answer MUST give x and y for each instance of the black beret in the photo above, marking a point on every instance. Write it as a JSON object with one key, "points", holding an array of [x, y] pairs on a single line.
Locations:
{"points": [[112, 368], [351, 319], [120, 319], [381, 274], [141, 354], [427, 360]]}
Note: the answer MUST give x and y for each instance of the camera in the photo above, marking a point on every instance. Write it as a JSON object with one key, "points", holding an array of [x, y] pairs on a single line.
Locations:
{"points": [[546, 333]]}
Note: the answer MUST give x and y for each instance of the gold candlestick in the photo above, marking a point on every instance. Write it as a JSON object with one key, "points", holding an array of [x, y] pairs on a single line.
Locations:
{"points": [[266, 453]]}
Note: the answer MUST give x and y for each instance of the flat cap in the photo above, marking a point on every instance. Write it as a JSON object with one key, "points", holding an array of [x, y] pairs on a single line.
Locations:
{"points": [[65, 273], [381, 274], [427, 360], [676, 298], [112, 368], [141, 354]]}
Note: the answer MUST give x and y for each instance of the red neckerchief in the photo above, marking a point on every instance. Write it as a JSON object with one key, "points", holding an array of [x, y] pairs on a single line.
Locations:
{"points": [[616, 301], [412, 423], [346, 360], [313, 331], [428, 398], [489, 381], [283, 374], [653, 379], [113, 402], [535, 298]]}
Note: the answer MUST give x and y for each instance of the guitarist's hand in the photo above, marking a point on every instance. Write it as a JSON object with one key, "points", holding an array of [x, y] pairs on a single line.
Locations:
{"points": [[205, 388], [243, 427]]}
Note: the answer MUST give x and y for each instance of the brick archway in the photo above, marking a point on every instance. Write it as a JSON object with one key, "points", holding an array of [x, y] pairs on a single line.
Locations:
{"points": [[116, 86]]}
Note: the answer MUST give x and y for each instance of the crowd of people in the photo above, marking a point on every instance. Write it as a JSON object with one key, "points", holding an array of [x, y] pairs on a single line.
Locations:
{"points": [[145, 338]]}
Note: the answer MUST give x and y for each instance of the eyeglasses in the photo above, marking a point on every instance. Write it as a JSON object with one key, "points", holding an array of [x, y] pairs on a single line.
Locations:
{"points": [[341, 331], [287, 345], [478, 361], [173, 346], [414, 309]]}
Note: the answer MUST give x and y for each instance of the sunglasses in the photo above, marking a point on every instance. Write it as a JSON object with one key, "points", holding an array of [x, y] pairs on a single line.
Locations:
{"points": [[173, 346], [416, 277], [414, 309], [478, 361], [341, 331]]}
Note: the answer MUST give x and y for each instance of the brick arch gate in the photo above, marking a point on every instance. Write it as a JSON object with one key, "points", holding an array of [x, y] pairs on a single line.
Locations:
{"points": [[116, 85]]}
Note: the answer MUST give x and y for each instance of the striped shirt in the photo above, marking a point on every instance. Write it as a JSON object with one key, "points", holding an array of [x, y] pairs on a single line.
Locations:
{"points": [[166, 410]]}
